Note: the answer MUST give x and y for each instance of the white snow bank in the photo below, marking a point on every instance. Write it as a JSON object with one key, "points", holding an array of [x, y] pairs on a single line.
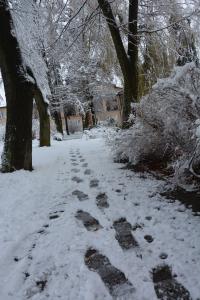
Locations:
{"points": [[56, 255]]}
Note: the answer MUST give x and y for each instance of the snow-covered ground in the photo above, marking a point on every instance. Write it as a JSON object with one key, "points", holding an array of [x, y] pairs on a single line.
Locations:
{"points": [[43, 244]]}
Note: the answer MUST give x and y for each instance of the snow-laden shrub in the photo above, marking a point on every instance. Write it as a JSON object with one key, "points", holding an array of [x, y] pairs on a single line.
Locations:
{"points": [[58, 136], [167, 124]]}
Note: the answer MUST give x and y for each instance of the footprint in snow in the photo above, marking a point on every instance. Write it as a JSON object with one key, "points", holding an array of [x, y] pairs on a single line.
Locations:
{"points": [[46, 225], [41, 231], [80, 195], [94, 183], [90, 223], [114, 279], [55, 215], [166, 286], [124, 235], [75, 170], [87, 172], [77, 179], [85, 165], [102, 200]]}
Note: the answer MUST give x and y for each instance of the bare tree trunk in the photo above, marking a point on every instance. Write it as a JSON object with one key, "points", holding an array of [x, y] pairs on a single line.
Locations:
{"points": [[17, 153], [58, 121], [55, 112], [128, 62], [66, 123], [126, 105], [45, 136], [133, 45]]}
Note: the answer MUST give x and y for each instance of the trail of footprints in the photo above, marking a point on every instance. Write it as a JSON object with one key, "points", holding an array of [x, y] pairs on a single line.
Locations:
{"points": [[88, 220], [165, 285]]}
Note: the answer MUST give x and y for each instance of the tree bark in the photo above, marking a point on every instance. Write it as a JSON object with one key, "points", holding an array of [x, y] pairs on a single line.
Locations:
{"points": [[133, 45], [45, 136], [58, 121], [17, 153], [56, 104], [66, 123], [127, 61], [55, 111]]}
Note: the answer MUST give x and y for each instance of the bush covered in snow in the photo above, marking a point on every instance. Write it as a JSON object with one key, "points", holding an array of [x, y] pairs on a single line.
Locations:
{"points": [[58, 136], [166, 128]]}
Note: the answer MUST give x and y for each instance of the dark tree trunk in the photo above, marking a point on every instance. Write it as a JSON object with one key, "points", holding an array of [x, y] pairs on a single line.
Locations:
{"points": [[66, 123], [128, 64], [55, 111], [17, 152], [58, 121], [45, 136], [133, 45]]}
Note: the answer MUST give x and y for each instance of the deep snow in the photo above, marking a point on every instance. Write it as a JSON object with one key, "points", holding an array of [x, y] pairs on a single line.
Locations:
{"points": [[40, 262]]}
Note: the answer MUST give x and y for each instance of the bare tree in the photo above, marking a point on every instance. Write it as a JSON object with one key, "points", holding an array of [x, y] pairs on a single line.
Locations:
{"points": [[20, 88], [127, 59]]}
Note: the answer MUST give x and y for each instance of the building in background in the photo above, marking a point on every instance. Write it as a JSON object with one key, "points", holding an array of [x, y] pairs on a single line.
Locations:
{"points": [[72, 118], [74, 123], [107, 103]]}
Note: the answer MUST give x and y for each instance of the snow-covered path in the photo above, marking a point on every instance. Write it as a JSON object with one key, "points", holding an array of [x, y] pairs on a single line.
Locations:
{"points": [[79, 224]]}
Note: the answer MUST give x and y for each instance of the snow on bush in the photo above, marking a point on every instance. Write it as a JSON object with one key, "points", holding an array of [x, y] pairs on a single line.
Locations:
{"points": [[167, 124], [58, 136], [97, 132]]}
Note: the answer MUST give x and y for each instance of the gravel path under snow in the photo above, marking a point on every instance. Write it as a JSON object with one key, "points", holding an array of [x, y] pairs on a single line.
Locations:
{"points": [[81, 228]]}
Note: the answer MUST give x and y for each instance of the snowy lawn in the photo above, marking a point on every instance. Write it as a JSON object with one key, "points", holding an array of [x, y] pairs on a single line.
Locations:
{"points": [[43, 239]]}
